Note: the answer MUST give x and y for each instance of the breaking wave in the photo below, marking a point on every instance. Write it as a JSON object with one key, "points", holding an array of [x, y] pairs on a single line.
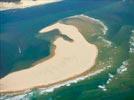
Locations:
{"points": [[27, 95], [119, 70], [93, 19], [131, 42]]}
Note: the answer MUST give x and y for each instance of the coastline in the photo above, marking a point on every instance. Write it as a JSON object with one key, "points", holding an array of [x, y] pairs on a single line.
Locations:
{"points": [[24, 4], [92, 19], [74, 75], [51, 87]]}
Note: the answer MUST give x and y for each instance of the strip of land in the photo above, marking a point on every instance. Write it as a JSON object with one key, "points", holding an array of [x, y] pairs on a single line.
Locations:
{"points": [[24, 4], [70, 59]]}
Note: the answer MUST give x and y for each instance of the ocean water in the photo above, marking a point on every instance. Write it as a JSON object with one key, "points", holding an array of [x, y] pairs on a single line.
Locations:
{"points": [[20, 47]]}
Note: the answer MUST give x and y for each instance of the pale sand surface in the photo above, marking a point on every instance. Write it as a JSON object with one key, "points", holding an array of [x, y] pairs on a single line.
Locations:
{"points": [[70, 59], [24, 4]]}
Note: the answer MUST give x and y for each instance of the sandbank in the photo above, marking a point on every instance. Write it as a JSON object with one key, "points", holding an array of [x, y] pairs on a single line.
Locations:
{"points": [[71, 59], [24, 4]]}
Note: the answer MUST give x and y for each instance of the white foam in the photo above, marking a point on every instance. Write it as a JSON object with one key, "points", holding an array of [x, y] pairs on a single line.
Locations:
{"points": [[131, 50], [120, 70], [97, 20], [131, 42], [94, 19], [123, 67], [68, 83], [18, 97], [103, 87], [109, 66], [110, 75], [28, 93], [108, 81]]}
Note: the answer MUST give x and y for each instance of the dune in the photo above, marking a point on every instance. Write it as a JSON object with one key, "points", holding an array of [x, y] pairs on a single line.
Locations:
{"points": [[70, 60], [24, 4]]}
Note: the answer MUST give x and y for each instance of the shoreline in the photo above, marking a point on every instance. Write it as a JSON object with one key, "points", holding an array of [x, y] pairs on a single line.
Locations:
{"points": [[24, 4], [92, 19], [82, 76], [70, 77]]}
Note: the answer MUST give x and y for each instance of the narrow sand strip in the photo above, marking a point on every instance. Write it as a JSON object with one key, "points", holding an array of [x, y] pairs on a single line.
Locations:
{"points": [[24, 4], [70, 59]]}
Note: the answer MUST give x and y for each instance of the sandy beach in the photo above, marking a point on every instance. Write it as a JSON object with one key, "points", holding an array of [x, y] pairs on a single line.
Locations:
{"points": [[24, 4], [69, 60]]}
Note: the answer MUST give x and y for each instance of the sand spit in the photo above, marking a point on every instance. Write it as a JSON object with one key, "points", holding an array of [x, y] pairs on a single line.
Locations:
{"points": [[70, 60], [24, 4]]}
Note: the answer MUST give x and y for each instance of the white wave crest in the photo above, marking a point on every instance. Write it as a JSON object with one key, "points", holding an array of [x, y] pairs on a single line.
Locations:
{"points": [[27, 95], [120, 70], [97, 20], [123, 67], [103, 87], [68, 83], [131, 42], [18, 97], [94, 19]]}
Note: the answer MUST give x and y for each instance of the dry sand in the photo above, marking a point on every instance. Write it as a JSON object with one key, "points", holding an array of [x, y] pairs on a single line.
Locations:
{"points": [[70, 59], [24, 4]]}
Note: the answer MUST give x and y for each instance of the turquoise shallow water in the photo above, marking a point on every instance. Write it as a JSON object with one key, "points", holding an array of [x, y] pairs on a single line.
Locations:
{"points": [[19, 29]]}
